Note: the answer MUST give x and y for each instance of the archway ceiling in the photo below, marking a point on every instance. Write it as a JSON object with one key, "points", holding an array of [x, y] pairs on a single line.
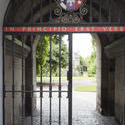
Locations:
{"points": [[22, 13], [23, 10]]}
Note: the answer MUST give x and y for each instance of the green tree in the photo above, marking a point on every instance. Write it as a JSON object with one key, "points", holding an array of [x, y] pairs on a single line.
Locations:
{"points": [[45, 48], [80, 67], [91, 61], [54, 54]]}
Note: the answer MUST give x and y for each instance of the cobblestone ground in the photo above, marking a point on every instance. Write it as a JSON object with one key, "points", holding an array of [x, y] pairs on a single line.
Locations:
{"points": [[84, 113]]}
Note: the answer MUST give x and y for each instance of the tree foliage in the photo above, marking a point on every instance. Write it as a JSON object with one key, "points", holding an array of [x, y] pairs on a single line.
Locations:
{"points": [[81, 65], [91, 61], [54, 55], [45, 51]]}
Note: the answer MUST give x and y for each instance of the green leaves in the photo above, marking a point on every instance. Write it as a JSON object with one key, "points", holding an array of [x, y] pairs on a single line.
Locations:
{"points": [[91, 61], [54, 54], [82, 64], [45, 48]]}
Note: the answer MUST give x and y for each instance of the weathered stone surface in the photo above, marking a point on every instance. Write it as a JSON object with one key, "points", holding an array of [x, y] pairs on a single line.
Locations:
{"points": [[119, 88], [117, 51], [8, 84], [3, 7]]}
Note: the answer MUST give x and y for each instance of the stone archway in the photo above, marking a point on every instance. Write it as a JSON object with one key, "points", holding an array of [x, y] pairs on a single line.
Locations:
{"points": [[104, 103], [98, 71]]}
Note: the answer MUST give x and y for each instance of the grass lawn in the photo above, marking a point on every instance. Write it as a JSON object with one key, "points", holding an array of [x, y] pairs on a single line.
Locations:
{"points": [[83, 78], [94, 81], [86, 88]]}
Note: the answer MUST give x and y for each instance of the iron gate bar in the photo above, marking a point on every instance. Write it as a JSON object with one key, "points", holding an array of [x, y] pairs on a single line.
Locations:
{"points": [[119, 11], [41, 85], [22, 86], [60, 40], [109, 16], [70, 81], [4, 79], [50, 86], [13, 81], [41, 12], [90, 11], [50, 9], [100, 10], [31, 12], [32, 93]]}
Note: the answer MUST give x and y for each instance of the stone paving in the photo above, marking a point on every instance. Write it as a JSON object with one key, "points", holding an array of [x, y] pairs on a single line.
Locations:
{"points": [[84, 113]]}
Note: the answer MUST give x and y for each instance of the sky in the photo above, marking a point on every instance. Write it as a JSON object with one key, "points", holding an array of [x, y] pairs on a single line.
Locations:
{"points": [[81, 43]]}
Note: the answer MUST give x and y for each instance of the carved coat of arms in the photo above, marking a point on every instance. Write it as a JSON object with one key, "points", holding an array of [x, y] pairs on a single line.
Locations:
{"points": [[70, 11], [71, 5]]}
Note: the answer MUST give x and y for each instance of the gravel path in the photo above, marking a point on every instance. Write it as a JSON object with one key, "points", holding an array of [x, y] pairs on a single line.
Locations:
{"points": [[77, 83], [84, 113]]}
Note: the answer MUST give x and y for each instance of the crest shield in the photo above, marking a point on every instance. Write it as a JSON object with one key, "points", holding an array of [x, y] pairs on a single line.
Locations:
{"points": [[71, 5]]}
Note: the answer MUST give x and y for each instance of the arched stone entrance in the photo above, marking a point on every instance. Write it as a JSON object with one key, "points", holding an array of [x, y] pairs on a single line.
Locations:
{"points": [[22, 15]]}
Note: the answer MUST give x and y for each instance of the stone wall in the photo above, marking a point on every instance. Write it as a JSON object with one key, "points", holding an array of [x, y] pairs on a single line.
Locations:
{"points": [[117, 51], [3, 7], [104, 85], [17, 84], [30, 71], [98, 71], [119, 87], [111, 87]]}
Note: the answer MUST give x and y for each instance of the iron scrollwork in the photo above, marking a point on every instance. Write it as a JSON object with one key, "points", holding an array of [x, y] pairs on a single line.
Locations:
{"points": [[70, 11]]}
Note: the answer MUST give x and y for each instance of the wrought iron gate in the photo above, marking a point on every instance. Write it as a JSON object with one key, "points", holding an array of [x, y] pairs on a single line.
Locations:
{"points": [[23, 99]]}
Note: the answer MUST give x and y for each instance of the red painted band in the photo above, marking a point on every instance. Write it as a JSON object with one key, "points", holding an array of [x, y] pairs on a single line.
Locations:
{"points": [[64, 29]]}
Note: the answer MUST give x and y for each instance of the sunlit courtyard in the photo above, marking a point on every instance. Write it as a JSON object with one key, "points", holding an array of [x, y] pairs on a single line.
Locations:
{"points": [[84, 109]]}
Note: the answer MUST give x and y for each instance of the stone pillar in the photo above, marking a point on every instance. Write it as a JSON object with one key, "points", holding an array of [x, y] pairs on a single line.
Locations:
{"points": [[3, 7], [36, 40], [111, 87], [107, 85], [104, 85], [30, 70], [17, 85], [119, 87], [98, 71]]}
